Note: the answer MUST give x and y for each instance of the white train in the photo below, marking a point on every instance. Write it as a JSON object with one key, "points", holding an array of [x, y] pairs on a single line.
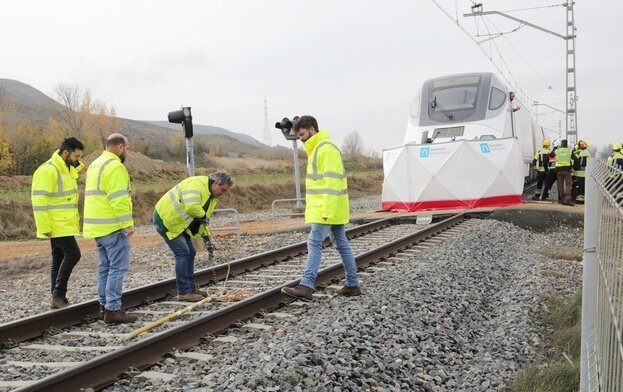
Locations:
{"points": [[471, 106], [467, 145]]}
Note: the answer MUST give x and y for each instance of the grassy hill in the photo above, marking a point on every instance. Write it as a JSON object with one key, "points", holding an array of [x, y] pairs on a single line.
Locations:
{"points": [[210, 130], [20, 103]]}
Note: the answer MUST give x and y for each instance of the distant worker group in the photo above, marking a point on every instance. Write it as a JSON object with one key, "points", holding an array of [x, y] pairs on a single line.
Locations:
{"points": [[567, 168], [564, 166]]}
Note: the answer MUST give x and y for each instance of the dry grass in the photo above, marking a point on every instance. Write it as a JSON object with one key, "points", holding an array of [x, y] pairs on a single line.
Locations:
{"points": [[256, 187], [25, 265], [558, 377], [563, 253], [561, 373], [16, 219]]}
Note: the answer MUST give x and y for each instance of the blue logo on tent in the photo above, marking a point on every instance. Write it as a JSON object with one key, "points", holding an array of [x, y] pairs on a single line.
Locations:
{"points": [[484, 147], [425, 152]]}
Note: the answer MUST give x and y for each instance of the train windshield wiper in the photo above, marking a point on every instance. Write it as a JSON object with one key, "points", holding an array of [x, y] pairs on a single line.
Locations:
{"points": [[432, 103]]}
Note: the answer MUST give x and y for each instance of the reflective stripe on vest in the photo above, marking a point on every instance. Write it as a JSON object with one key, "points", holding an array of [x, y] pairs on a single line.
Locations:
{"points": [[315, 176], [59, 181], [176, 204]]}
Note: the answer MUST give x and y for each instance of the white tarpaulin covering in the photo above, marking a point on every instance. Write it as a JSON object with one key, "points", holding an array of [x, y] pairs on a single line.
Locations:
{"points": [[459, 174]]}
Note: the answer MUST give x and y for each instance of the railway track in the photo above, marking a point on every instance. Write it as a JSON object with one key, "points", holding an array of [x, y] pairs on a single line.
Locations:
{"points": [[75, 351]]}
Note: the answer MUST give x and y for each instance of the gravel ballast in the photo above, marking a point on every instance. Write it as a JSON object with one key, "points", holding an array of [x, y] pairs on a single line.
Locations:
{"points": [[462, 317]]}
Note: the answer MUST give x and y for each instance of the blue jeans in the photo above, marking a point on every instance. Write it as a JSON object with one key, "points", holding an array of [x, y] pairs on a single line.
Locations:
{"points": [[184, 253], [114, 254], [316, 237]]}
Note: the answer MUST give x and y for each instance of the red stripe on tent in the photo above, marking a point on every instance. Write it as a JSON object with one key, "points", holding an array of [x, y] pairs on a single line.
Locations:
{"points": [[495, 201]]}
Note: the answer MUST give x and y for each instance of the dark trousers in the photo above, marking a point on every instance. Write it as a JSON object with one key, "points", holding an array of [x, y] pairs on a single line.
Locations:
{"points": [[541, 180], [579, 184], [65, 255], [563, 177], [551, 179]]}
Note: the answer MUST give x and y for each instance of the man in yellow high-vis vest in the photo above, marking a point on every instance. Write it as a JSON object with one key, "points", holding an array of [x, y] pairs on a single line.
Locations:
{"points": [[326, 208], [181, 214], [54, 199], [108, 219], [564, 164]]}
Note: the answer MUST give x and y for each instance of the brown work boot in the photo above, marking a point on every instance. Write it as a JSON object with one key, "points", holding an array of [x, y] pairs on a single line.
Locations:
{"points": [[118, 317], [300, 292], [59, 303], [102, 312], [190, 297], [202, 293], [349, 291]]}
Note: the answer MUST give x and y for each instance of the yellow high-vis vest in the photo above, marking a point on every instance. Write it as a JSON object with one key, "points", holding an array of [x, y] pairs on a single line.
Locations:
{"points": [[326, 187], [183, 203], [54, 198], [107, 201]]}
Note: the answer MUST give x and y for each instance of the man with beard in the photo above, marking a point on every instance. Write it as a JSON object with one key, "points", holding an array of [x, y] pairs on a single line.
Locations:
{"points": [[55, 206], [108, 219], [326, 209]]}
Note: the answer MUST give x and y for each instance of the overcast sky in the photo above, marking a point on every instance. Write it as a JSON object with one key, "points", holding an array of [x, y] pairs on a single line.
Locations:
{"points": [[354, 65]]}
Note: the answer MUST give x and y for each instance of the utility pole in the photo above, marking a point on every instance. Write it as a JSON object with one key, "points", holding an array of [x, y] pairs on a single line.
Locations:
{"points": [[572, 99], [571, 113], [267, 139]]}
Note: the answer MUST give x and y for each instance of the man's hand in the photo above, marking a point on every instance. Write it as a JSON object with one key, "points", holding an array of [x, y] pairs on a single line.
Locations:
{"points": [[196, 224], [128, 231]]}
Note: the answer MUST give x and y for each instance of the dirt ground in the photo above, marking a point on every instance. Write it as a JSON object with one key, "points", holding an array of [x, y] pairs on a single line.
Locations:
{"points": [[11, 250]]}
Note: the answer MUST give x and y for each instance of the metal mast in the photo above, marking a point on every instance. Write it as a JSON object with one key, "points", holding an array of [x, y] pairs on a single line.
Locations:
{"points": [[571, 112], [267, 139], [572, 99]]}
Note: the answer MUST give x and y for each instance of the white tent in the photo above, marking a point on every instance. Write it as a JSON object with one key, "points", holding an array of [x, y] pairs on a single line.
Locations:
{"points": [[459, 174]]}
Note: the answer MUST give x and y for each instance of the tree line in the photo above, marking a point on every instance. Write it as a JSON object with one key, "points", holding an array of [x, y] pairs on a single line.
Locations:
{"points": [[23, 149]]}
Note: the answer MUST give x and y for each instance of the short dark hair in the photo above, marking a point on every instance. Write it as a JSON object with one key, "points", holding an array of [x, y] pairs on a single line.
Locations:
{"points": [[70, 144], [563, 143], [305, 122]]}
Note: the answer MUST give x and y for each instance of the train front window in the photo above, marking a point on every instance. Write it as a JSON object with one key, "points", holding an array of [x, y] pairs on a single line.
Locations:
{"points": [[453, 99]]}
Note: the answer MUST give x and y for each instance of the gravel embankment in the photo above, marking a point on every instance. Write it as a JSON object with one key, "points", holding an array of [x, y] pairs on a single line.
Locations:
{"points": [[461, 317]]}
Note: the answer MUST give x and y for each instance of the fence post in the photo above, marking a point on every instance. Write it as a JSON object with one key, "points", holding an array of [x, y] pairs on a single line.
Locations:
{"points": [[590, 273]]}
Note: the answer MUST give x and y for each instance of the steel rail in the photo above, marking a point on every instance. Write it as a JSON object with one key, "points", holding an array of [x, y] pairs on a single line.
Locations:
{"points": [[31, 327], [104, 370]]}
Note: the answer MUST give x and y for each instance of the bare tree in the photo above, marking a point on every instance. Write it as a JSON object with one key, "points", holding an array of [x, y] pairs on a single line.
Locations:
{"points": [[85, 117], [103, 121], [353, 144], [372, 153], [70, 114]]}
